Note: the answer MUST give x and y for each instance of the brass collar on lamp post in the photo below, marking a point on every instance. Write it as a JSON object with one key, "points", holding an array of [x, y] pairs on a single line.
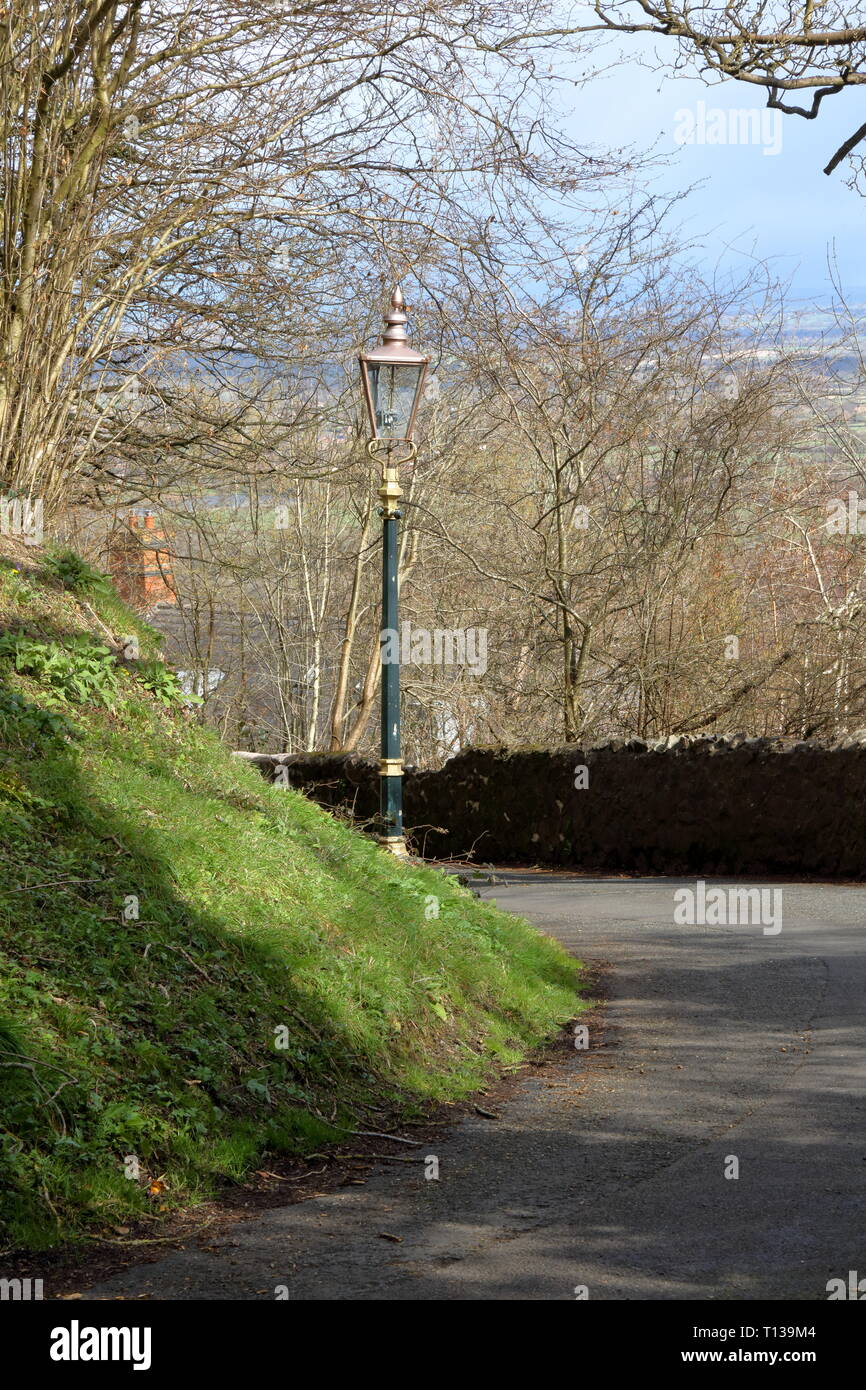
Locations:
{"points": [[393, 377]]}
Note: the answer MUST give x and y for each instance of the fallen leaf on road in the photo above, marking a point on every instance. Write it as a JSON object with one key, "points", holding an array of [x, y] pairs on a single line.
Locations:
{"points": [[386, 1235]]}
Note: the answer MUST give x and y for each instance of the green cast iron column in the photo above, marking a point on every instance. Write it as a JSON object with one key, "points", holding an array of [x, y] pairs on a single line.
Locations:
{"points": [[390, 766]]}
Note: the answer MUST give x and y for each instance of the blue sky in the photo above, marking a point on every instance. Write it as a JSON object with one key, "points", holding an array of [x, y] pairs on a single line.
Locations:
{"points": [[780, 207]]}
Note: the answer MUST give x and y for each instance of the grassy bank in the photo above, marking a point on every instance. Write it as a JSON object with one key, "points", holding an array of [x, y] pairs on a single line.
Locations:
{"points": [[196, 968]]}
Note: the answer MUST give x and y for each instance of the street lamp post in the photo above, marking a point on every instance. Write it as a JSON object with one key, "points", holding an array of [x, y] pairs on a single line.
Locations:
{"points": [[393, 376]]}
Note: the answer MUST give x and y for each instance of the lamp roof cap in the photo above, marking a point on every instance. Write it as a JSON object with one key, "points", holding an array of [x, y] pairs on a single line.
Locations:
{"points": [[395, 350]]}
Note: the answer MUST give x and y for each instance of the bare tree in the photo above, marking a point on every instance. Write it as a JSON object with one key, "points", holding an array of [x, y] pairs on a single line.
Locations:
{"points": [[800, 52], [181, 184]]}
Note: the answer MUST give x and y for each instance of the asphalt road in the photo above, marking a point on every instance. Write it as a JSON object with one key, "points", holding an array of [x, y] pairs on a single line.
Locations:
{"points": [[608, 1173]]}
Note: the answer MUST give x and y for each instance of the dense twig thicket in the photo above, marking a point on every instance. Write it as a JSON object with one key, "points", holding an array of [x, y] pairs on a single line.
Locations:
{"points": [[625, 474]]}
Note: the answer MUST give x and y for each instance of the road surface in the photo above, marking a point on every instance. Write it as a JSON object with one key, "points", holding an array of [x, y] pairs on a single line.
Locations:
{"points": [[725, 1048]]}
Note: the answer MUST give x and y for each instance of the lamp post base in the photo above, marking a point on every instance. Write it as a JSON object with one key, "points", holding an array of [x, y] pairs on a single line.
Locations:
{"points": [[396, 844]]}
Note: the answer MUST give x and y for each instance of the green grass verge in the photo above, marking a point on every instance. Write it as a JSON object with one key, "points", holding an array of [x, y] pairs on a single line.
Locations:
{"points": [[197, 969]]}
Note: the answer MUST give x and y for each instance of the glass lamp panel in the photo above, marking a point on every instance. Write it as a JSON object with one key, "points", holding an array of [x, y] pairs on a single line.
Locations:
{"points": [[393, 390]]}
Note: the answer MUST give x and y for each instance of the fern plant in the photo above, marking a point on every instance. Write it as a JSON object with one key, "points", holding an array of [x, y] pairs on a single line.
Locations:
{"points": [[76, 574]]}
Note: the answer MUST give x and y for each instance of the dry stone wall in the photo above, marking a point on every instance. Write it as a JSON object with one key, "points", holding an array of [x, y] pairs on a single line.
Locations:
{"points": [[714, 805]]}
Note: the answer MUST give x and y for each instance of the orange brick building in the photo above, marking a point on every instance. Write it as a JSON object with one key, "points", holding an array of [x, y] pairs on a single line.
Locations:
{"points": [[139, 563]]}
